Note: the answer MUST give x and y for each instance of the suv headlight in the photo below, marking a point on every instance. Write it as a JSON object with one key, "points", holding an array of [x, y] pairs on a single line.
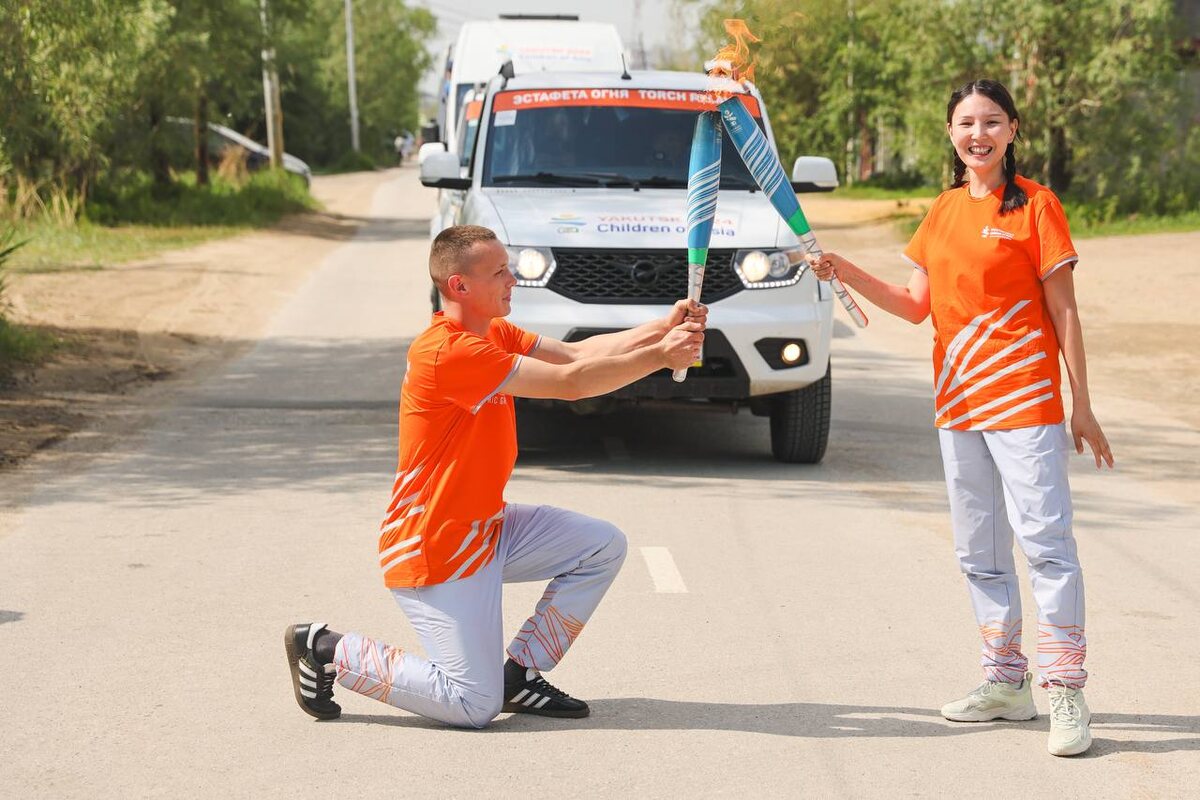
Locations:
{"points": [[769, 269], [532, 266]]}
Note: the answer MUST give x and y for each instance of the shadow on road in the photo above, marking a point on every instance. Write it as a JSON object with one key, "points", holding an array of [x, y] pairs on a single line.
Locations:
{"points": [[820, 721]]}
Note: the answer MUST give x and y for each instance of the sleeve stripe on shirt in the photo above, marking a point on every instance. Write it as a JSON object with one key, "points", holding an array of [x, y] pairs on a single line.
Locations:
{"points": [[1063, 263], [494, 392], [536, 344], [915, 264]]}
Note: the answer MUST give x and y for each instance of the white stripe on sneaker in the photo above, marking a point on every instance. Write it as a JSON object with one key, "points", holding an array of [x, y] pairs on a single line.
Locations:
{"points": [[532, 698], [542, 702], [520, 695]]}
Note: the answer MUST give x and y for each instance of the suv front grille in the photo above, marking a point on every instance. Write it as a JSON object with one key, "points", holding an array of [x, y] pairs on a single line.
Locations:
{"points": [[638, 276]]}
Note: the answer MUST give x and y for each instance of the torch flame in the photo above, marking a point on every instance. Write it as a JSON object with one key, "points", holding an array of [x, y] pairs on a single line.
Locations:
{"points": [[733, 60]]}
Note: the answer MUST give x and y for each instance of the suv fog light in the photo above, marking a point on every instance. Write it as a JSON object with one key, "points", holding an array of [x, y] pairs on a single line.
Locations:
{"points": [[756, 266], [531, 264], [780, 353]]}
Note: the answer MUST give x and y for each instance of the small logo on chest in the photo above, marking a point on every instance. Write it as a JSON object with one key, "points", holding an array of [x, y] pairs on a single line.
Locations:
{"points": [[989, 232]]}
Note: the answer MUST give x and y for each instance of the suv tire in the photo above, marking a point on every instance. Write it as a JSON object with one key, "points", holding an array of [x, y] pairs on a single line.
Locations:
{"points": [[800, 422]]}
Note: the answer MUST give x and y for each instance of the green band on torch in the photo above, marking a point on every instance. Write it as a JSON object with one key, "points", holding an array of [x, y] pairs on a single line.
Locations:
{"points": [[697, 255], [798, 223]]}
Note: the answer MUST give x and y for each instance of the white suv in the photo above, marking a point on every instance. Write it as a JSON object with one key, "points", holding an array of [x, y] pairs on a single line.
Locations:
{"points": [[583, 177]]}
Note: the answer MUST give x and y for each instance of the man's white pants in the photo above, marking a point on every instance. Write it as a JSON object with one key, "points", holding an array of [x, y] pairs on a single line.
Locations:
{"points": [[1007, 481], [460, 624]]}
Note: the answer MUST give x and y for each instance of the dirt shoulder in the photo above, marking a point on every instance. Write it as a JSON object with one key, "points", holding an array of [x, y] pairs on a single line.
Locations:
{"points": [[127, 327]]}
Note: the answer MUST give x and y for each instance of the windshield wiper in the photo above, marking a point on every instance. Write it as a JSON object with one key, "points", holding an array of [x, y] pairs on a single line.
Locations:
{"points": [[553, 178]]}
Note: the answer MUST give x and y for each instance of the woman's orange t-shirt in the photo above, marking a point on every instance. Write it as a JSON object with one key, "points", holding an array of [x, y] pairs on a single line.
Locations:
{"points": [[995, 353]]}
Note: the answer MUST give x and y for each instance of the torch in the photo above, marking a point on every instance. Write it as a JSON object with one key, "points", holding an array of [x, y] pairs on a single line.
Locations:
{"points": [[763, 164], [704, 177]]}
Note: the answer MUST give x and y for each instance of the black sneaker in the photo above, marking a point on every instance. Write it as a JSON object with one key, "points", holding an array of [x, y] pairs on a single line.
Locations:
{"points": [[527, 692], [312, 681]]}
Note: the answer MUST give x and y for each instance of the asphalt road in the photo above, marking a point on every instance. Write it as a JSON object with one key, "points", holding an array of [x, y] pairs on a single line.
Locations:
{"points": [[777, 630]]}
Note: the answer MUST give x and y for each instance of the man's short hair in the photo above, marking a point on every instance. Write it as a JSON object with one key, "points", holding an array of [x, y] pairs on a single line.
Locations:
{"points": [[451, 251]]}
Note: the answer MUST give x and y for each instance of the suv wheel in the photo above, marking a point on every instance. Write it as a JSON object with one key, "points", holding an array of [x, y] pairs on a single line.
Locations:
{"points": [[800, 422]]}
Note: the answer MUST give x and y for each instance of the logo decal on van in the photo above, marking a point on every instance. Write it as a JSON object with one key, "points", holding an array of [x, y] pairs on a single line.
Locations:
{"points": [[568, 223]]}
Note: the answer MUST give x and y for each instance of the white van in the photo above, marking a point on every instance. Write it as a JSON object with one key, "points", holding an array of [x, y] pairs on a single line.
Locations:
{"points": [[583, 176], [532, 43]]}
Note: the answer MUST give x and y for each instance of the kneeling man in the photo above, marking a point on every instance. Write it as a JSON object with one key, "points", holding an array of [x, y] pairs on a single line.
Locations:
{"points": [[448, 540]]}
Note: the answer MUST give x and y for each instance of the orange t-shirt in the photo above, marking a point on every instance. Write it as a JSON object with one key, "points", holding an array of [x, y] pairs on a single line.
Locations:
{"points": [[995, 353], [458, 445]]}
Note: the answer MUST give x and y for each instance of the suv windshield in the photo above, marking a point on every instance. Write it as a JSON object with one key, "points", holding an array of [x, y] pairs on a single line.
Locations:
{"points": [[607, 144]]}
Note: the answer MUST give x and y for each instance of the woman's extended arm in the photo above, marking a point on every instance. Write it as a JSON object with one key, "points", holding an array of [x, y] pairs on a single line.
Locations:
{"points": [[909, 302]]}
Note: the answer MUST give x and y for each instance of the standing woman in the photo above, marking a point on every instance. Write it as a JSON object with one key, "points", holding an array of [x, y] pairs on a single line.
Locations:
{"points": [[993, 262]]}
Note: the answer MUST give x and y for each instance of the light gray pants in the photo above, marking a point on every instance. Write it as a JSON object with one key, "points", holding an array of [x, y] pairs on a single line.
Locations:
{"points": [[1007, 481], [461, 628]]}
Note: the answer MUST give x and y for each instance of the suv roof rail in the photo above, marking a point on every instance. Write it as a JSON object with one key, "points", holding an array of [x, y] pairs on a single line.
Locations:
{"points": [[562, 17]]}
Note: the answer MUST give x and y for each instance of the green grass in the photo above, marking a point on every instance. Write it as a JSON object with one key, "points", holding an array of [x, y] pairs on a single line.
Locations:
{"points": [[21, 345], [1086, 226], [350, 161], [134, 220], [86, 245], [18, 345], [261, 200], [859, 192]]}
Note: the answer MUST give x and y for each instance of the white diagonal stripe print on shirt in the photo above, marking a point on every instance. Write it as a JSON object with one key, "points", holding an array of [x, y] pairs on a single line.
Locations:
{"points": [[990, 379], [482, 549], [400, 559], [399, 503], [397, 523], [956, 344], [999, 354], [403, 478], [398, 546], [999, 401], [987, 334], [466, 540], [1017, 409]]}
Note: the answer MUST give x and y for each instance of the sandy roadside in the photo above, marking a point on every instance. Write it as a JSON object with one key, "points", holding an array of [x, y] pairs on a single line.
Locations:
{"points": [[127, 327]]}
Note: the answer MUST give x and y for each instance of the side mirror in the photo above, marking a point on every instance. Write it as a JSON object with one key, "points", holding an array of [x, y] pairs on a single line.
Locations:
{"points": [[814, 174], [441, 170], [427, 148]]}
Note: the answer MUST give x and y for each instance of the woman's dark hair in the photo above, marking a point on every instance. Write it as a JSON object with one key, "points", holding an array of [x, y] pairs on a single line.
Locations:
{"points": [[1014, 196]]}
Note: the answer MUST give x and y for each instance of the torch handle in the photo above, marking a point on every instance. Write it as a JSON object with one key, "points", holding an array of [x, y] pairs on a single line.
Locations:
{"points": [[852, 308], [695, 287]]}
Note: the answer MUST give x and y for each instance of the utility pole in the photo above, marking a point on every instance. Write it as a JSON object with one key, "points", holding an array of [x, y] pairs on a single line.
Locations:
{"points": [[353, 92], [271, 102]]}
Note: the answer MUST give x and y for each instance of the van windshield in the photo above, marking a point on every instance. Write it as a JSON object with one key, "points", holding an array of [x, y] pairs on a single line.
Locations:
{"points": [[606, 144]]}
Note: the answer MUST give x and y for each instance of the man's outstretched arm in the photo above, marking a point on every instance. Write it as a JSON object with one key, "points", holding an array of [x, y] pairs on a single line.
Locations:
{"points": [[554, 351], [595, 375]]}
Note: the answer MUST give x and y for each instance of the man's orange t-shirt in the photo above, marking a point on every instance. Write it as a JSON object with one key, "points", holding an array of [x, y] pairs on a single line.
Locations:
{"points": [[995, 354], [458, 445]]}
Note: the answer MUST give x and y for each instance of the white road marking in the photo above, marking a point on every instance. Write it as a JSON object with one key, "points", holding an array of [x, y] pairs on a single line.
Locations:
{"points": [[663, 571]]}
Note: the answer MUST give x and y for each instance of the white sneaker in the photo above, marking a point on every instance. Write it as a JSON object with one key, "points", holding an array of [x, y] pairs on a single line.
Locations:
{"points": [[994, 701], [1069, 719]]}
